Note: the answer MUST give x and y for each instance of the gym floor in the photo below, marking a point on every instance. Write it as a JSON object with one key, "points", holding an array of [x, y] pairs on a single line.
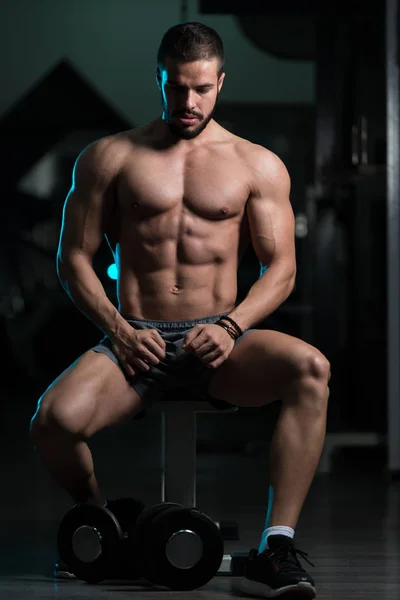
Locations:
{"points": [[349, 525]]}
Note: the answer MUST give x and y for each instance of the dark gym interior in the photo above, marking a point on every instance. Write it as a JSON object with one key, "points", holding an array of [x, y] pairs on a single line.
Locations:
{"points": [[337, 131]]}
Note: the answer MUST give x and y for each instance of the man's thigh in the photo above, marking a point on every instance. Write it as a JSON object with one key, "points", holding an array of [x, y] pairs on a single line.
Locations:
{"points": [[259, 367], [90, 395]]}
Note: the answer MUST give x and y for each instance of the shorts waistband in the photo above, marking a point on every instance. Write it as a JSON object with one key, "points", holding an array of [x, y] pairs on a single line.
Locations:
{"points": [[173, 325]]}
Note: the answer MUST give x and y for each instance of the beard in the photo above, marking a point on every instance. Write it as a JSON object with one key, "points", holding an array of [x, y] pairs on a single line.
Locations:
{"points": [[184, 132]]}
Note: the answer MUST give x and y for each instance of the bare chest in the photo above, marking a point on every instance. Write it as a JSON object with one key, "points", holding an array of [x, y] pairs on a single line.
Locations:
{"points": [[182, 191]]}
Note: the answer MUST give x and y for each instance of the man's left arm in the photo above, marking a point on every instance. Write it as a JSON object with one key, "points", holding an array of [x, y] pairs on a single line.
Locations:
{"points": [[272, 227]]}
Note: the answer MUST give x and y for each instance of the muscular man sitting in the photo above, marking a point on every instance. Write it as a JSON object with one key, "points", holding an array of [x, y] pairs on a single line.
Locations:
{"points": [[178, 201]]}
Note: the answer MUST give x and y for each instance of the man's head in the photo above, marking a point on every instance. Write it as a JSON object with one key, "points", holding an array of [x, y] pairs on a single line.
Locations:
{"points": [[190, 65]]}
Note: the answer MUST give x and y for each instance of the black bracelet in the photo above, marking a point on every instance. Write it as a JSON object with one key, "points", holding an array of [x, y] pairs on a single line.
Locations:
{"points": [[233, 336], [240, 332]]}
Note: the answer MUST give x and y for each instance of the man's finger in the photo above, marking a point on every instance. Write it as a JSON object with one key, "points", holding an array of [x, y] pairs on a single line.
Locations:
{"points": [[190, 336]]}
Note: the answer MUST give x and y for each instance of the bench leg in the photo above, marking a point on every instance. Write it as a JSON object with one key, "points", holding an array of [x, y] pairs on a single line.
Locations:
{"points": [[178, 456]]}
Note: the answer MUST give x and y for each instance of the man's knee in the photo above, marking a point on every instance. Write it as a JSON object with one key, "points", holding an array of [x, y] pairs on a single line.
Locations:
{"points": [[314, 364], [54, 416], [312, 374]]}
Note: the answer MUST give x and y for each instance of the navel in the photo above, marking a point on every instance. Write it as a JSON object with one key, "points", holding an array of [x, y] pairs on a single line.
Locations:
{"points": [[175, 290]]}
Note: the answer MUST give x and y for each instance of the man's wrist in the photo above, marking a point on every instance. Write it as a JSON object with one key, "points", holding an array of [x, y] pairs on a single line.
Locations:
{"points": [[233, 324], [234, 335], [117, 327]]}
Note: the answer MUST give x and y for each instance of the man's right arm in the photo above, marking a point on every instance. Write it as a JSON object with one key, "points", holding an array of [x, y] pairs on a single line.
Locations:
{"points": [[86, 212]]}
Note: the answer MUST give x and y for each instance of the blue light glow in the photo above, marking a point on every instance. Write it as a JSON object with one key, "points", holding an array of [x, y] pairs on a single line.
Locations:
{"points": [[112, 271], [263, 269]]}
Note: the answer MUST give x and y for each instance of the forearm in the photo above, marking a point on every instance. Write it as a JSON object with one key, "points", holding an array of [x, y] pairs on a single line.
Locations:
{"points": [[264, 297], [85, 289]]}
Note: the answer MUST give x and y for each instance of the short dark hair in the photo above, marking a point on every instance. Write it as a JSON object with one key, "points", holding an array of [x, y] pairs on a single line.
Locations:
{"points": [[191, 41]]}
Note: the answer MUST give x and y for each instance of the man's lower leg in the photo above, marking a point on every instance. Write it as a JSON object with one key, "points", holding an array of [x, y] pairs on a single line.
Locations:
{"points": [[70, 462], [296, 449]]}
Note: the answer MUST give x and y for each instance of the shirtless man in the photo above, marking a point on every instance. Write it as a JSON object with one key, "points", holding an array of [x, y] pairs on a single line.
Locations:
{"points": [[178, 201]]}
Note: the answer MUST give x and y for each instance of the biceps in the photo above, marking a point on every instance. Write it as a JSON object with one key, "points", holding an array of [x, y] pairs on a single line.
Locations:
{"points": [[81, 227], [272, 232]]}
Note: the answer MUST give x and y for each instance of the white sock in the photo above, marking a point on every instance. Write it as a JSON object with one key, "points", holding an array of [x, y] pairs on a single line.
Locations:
{"points": [[277, 530]]}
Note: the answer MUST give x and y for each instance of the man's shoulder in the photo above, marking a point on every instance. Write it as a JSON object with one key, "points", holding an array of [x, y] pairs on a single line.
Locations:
{"points": [[108, 152], [263, 164], [125, 142], [256, 155], [115, 143]]}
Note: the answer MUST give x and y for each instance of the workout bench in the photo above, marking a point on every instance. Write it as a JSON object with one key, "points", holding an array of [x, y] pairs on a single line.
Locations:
{"points": [[178, 453]]}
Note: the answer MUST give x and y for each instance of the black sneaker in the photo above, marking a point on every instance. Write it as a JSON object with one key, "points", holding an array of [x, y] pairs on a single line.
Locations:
{"points": [[277, 572], [126, 510]]}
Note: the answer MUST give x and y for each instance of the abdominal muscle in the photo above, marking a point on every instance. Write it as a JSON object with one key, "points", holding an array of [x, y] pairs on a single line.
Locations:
{"points": [[182, 293]]}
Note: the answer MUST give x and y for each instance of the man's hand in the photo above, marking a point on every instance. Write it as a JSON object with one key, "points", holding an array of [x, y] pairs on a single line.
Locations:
{"points": [[139, 349], [210, 343]]}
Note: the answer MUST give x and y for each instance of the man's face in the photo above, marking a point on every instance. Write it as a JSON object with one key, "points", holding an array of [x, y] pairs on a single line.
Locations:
{"points": [[189, 92]]}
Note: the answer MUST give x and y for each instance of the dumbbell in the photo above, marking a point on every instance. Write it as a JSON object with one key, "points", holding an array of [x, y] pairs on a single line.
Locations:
{"points": [[176, 547], [92, 542]]}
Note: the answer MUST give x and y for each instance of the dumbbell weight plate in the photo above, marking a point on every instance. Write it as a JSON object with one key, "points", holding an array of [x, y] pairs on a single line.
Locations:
{"points": [[184, 549], [88, 541], [138, 534]]}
